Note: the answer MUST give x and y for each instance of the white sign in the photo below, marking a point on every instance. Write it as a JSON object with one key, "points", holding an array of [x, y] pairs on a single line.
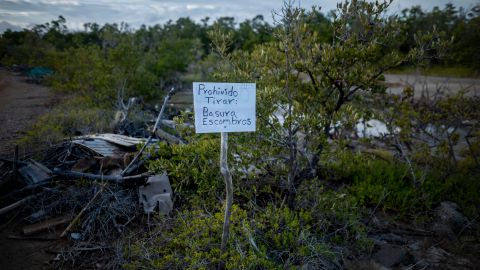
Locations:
{"points": [[224, 107]]}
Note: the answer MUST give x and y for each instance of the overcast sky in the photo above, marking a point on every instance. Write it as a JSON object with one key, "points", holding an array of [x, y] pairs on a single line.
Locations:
{"points": [[25, 13]]}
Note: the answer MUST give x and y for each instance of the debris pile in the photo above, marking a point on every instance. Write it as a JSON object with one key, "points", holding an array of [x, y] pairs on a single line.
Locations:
{"points": [[85, 189], [81, 191]]}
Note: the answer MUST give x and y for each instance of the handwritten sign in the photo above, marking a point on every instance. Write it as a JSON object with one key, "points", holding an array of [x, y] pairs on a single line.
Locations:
{"points": [[224, 107]]}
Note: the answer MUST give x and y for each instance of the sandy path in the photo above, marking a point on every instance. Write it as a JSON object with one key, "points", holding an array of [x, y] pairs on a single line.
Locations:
{"points": [[21, 103]]}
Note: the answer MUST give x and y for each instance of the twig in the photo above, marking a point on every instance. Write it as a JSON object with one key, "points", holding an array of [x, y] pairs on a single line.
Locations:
{"points": [[127, 169], [409, 163], [82, 211]]}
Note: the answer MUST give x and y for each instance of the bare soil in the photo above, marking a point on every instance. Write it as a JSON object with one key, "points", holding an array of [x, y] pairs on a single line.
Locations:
{"points": [[21, 103], [430, 85]]}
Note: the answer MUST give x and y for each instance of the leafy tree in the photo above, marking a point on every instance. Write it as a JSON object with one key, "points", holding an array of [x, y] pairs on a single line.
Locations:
{"points": [[453, 22], [304, 83]]}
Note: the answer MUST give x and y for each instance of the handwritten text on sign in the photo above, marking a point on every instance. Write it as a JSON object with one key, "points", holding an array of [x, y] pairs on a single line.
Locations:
{"points": [[224, 107]]}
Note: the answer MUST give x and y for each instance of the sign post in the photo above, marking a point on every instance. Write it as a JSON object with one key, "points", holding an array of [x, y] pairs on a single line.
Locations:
{"points": [[224, 107]]}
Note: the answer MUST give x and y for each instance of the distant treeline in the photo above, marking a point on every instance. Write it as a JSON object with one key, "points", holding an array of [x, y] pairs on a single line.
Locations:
{"points": [[102, 59]]}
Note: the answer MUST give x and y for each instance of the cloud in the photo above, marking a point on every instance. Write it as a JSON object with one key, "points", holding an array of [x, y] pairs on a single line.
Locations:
{"points": [[4, 26], [136, 13]]}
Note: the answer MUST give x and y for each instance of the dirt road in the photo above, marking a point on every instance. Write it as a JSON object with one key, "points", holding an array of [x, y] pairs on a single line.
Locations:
{"points": [[21, 103], [431, 84]]}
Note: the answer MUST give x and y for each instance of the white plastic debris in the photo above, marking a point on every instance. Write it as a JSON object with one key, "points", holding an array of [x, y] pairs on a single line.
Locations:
{"points": [[156, 192]]}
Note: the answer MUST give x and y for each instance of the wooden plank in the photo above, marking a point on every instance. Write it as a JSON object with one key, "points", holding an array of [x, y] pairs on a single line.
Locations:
{"points": [[15, 205], [37, 227], [168, 137]]}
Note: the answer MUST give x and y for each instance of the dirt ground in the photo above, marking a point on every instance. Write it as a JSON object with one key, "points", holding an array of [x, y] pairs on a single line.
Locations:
{"points": [[431, 84], [21, 103]]}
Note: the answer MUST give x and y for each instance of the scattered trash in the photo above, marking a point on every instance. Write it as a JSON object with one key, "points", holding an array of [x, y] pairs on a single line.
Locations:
{"points": [[156, 192], [55, 196], [76, 236], [38, 73], [87, 188]]}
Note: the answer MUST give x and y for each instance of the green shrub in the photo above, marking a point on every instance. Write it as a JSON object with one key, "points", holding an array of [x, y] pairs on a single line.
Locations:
{"points": [[384, 183], [192, 241], [338, 214], [193, 168], [273, 238], [390, 184]]}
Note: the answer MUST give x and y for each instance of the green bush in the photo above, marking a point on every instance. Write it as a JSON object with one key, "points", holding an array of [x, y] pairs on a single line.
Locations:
{"points": [[390, 184], [387, 184], [192, 241], [338, 213], [272, 238], [193, 168]]}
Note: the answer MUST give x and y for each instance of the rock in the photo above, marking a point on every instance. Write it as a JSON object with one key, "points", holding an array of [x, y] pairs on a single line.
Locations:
{"points": [[393, 255], [449, 221], [437, 258]]}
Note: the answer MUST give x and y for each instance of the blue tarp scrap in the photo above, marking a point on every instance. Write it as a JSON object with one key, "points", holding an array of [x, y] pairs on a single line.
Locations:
{"points": [[39, 72]]}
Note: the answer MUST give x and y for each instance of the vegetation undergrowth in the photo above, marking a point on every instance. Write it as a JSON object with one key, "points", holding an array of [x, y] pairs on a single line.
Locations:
{"points": [[73, 117], [301, 200]]}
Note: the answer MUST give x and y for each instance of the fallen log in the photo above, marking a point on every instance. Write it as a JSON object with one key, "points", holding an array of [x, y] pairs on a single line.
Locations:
{"points": [[109, 178], [37, 227]]}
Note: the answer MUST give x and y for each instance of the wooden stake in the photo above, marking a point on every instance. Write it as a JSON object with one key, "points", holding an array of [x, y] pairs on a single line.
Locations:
{"points": [[227, 177]]}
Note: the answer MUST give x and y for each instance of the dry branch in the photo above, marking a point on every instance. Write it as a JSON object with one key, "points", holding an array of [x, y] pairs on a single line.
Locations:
{"points": [[127, 170], [109, 178]]}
